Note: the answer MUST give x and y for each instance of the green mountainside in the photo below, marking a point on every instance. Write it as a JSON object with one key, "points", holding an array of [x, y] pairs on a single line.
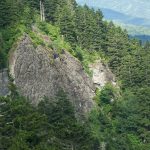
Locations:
{"points": [[134, 8], [132, 15], [121, 119], [134, 29]]}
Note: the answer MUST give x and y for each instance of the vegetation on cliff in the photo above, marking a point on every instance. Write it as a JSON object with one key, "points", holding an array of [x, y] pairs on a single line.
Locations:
{"points": [[50, 126], [121, 123]]}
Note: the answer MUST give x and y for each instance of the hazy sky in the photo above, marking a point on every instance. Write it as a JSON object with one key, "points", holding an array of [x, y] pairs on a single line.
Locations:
{"points": [[138, 8]]}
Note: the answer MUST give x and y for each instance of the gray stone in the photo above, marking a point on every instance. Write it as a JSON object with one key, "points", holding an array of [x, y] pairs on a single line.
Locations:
{"points": [[37, 74], [4, 82], [101, 74]]}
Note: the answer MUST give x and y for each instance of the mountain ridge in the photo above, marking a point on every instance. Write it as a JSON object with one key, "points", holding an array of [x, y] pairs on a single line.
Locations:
{"points": [[128, 7], [110, 14], [125, 14]]}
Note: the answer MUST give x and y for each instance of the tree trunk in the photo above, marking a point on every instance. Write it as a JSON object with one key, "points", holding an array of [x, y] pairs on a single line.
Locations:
{"points": [[42, 11]]}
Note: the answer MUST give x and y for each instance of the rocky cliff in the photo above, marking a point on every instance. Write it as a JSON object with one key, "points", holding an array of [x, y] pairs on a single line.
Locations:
{"points": [[40, 72], [102, 74]]}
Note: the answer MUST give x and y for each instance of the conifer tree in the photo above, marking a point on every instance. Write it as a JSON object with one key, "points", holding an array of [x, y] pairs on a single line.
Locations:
{"points": [[8, 12]]}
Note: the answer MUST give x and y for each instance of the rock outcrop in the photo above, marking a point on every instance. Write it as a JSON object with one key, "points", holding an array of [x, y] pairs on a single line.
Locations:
{"points": [[101, 74], [4, 82], [40, 72]]}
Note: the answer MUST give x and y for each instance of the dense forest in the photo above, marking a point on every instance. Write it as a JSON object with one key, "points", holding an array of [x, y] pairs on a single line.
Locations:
{"points": [[121, 124]]}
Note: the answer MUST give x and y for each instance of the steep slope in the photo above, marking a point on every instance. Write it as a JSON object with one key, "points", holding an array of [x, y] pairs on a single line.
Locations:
{"points": [[41, 72], [39, 65]]}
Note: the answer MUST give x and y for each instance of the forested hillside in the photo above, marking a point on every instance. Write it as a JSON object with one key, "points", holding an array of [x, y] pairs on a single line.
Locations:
{"points": [[119, 122]]}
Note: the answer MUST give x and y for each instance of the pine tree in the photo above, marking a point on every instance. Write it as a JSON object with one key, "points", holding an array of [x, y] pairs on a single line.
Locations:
{"points": [[8, 12], [64, 18]]}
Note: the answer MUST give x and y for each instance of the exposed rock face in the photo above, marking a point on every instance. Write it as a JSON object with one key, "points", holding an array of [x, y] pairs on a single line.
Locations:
{"points": [[4, 82], [37, 72], [101, 74]]}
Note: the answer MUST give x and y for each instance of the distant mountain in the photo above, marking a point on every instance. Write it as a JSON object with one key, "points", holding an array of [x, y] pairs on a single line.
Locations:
{"points": [[134, 29], [143, 38], [135, 8], [132, 15], [110, 14]]}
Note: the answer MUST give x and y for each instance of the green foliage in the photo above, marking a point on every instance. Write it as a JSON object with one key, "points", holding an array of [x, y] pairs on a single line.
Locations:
{"points": [[62, 119], [36, 40], [16, 17], [57, 41], [8, 37], [8, 13], [50, 126], [107, 94], [49, 29], [65, 16], [86, 57], [2, 59], [89, 28], [121, 124]]}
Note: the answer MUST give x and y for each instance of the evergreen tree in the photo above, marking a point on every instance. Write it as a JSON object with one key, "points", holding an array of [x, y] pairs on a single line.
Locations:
{"points": [[64, 18], [8, 12]]}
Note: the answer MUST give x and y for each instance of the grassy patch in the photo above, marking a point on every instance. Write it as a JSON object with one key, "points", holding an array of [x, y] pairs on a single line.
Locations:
{"points": [[36, 40]]}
